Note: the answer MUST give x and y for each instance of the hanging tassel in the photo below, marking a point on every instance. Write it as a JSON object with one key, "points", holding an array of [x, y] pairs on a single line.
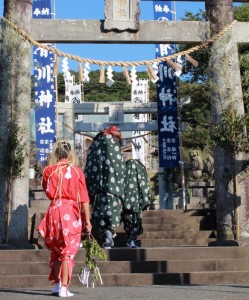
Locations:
{"points": [[151, 73], [190, 59], [81, 75], [102, 74], [173, 65], [127, 76], [56, 66]]}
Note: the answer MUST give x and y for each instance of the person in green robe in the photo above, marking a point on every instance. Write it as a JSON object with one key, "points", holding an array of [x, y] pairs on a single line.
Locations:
{"points": [[137, 198], [105, 179]]}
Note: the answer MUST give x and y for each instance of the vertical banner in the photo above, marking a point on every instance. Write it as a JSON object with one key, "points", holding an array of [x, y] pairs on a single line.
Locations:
{"points": [[139, 95], [168, 135], [73, 94], [44, 90]]}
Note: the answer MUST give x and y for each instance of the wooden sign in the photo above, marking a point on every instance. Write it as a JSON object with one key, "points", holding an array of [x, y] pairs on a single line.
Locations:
{"points": [[122, 15]]}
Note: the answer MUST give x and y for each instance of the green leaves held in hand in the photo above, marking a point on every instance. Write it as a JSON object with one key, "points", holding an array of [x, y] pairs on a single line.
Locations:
{"points": [[93, 251]]}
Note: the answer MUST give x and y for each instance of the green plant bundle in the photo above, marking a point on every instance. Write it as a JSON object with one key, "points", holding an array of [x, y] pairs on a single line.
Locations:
{"points": [[93, 251], [230, 132]]}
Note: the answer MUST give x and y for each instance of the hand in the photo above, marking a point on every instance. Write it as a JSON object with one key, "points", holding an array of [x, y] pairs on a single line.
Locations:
{"points": [[88, 228]]}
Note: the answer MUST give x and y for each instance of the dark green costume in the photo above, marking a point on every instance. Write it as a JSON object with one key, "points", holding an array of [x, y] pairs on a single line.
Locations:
{"points": [[105, 179], [137, 198]]}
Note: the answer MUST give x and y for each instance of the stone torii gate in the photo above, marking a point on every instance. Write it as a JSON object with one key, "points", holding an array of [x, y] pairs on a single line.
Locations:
{"points": [[121, 25]]}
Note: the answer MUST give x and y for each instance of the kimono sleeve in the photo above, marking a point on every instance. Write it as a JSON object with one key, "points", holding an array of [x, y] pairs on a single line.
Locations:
{"points": [[83, 192], [45, 176]]}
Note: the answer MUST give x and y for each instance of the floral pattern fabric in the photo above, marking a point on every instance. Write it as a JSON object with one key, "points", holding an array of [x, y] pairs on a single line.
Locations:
{"points": [[61, 230], [137, 198], [105, 172], [61, 226]]}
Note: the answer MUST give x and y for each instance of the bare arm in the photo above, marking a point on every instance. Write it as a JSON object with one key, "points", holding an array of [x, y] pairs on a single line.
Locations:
{"points": [[85, 208]]}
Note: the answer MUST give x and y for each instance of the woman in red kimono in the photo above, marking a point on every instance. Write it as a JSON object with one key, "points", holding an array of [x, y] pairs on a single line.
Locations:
{"points": [[68, 213]]}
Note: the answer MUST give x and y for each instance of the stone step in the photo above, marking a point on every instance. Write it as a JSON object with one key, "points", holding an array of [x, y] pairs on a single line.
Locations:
{"points": [[134, 279], [173, 250], [179, 213], [135, 267], [167, 234], [162, 243], [183, 227], [174, 234], [196, 278], [173, 242], [165, 239], [120, 267], [138, 254], [169, 227], [170, 220]]}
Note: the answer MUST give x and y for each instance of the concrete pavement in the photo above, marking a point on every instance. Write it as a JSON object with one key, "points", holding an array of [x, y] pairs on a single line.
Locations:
{"points": [[169, 292]]}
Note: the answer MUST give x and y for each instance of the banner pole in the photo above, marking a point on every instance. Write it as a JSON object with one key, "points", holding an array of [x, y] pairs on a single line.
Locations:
{"points": [[56, 89]]}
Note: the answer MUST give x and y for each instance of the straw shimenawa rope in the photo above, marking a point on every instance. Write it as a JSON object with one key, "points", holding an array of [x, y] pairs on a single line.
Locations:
{"points": [[102, 63]]}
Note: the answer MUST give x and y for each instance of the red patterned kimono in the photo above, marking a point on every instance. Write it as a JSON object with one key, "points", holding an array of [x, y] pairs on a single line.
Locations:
{"points": [[62, 225]]}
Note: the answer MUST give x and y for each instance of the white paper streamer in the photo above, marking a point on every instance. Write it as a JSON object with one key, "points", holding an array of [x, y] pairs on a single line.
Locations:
{"points": [[178, 73], [134, 75], [86, 72], [86, 278], [155, 69], [65, 67], [109, 74], [179, 62]]}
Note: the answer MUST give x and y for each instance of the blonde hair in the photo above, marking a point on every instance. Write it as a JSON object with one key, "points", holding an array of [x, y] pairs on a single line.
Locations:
{"points": [[62, 149]]}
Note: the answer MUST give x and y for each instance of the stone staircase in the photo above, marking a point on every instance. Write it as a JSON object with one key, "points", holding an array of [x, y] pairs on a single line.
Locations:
{"points": [[173, 250], [135, 267], [164, 228]]}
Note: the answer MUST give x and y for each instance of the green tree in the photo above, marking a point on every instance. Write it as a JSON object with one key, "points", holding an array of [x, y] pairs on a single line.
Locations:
{"points": [[195, 83], [98, 92]]}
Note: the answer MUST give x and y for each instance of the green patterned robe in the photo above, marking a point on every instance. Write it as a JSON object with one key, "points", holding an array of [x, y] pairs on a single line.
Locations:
{"points": [[137, 198], [105, 179]]}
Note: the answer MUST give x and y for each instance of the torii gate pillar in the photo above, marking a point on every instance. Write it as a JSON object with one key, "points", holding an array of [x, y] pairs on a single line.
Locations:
{"points": [[231, 184], [15, 99]]}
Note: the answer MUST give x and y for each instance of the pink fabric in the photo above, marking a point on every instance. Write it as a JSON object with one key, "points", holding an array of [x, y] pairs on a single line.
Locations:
{"points": [[71, 179], [61, 230], [61, 227]]}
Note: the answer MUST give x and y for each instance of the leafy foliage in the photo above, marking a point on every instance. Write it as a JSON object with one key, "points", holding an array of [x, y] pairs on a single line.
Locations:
{"points": [[195, 83], [230, 133], [14, 157], [199, 73], [93, 250], [197, 114], [241, 13]]}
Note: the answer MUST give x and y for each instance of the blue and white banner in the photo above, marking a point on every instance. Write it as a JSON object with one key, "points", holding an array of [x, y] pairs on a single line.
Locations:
{"points": [[44, 89], [73, 94], [168, 130], [139, 94]]}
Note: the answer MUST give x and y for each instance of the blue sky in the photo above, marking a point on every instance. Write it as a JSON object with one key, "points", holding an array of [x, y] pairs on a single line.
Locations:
{"points": [[94, 9]]}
